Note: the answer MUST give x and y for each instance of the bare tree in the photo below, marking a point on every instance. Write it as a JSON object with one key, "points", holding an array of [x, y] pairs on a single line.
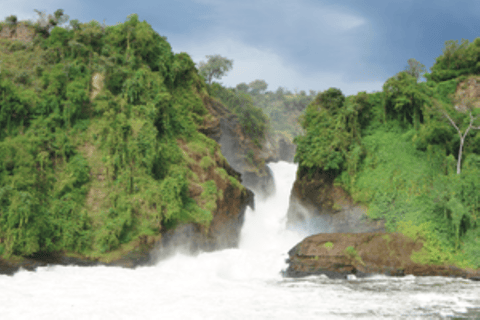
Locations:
{"points": [[46, 23], [462, 105]]}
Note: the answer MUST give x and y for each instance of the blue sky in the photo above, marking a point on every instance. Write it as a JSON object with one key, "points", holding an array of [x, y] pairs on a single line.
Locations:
{"points": [[353, 45]]}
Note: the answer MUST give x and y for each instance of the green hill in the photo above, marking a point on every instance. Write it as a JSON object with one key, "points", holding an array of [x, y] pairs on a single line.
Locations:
{"points": [[99, 140], [397, 152]]}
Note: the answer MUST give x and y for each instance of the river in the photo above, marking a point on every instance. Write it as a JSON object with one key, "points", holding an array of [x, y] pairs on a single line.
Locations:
{"points": [[240, 283]]}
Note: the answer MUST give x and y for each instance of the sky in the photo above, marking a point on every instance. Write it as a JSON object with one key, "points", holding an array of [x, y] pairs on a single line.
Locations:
{"points": [[352, 45]]}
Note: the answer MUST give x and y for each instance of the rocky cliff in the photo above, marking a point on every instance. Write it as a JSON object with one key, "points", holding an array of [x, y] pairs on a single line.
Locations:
{"points": [[21, 32], [241, 153], [319, 206]]}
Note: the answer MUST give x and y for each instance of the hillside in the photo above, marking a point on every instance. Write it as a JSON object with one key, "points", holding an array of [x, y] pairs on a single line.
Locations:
{"points": [[103, 143], [410, 154]]}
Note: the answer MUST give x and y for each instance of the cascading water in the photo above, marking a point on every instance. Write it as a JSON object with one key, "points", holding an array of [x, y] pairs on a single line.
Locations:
{"points": [[242, 283]]}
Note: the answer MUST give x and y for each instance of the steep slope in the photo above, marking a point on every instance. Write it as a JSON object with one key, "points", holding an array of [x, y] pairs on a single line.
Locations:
{"points": [[103, 147]]}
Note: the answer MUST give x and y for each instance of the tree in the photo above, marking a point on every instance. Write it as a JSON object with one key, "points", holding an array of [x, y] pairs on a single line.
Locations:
{"points": [[216, 67], [243, 87], [327, 137], [331, 100], [452, 48], [45, 23], [415, 68], [12, 22], [404, 99], [258, 86], [462, 105]]}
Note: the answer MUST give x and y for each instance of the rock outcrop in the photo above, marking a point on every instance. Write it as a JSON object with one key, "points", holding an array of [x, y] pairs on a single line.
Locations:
{"points": [[241, 152], [340, 254], [224, 230], [21, 32], [320, 206]]}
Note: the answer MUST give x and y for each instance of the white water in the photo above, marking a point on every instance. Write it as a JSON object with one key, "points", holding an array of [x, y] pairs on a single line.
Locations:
{"points": [[243, 283]]}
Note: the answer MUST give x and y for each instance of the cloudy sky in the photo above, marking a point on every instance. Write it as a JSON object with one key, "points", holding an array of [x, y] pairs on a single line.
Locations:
{"points": [[353, 45]]}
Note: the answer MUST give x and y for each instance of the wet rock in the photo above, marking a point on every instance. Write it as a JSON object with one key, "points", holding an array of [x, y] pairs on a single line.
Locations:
{"points": [[262, 184], [338, 255], [236, 147], [317, 205], [286, 150]]}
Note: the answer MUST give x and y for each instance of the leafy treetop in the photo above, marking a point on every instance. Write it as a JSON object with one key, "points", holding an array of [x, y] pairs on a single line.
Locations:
{"points": [[215, 67]]}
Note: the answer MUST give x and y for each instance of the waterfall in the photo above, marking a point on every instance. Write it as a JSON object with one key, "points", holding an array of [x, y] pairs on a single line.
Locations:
{"points": [[239, 283]]}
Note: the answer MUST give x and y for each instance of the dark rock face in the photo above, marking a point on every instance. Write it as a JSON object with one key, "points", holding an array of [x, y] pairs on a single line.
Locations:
{"points": [[340, 254], [235, 145], [263, 185], [141, 256], [286, 150], [318, 206]]}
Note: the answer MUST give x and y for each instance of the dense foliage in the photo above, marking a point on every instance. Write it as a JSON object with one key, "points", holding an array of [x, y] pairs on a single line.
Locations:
{"points": [[282, 106], [260, 111], [252, 119], [396, 151], [90, 117], [456, 60]]}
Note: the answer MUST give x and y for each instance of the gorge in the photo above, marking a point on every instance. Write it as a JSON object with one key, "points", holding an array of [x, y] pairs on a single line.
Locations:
{"points": [[131, 187], [237, 283]]}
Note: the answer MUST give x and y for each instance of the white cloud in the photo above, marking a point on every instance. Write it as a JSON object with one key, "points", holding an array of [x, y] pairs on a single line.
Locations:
{"points": [[250, 63]]}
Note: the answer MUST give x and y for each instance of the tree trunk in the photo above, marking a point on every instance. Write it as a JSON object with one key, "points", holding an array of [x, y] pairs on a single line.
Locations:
{"points": [[462, 139], [416, 117]]}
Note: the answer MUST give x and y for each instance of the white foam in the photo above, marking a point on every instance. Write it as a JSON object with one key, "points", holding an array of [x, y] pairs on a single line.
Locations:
{"points": [[243, 283]]}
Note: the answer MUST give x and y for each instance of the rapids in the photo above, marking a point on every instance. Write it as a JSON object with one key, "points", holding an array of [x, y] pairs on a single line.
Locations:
{"points": [[240, 283]]}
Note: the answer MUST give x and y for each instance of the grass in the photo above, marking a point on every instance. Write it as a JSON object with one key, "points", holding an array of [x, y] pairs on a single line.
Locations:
{"points": [[206, 162], [352, 253], [328, 245]]}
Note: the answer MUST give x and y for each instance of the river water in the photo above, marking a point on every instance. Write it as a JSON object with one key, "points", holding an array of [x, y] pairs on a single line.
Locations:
{"points": [[241, 283]]}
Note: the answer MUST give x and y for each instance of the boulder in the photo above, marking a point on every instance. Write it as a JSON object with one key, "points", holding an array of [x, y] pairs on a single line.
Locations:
{"points": [[338, 255]]}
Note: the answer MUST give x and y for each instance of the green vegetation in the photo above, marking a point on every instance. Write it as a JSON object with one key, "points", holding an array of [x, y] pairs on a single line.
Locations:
{"points": [[328, 245], [410, 153], [253, 121], [215, 67], [352, 253], [259, 110], [282, 107], [90, 119]]}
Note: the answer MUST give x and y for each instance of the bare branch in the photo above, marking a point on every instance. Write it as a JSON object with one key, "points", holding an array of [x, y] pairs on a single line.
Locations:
{"points": [[451, 121]]}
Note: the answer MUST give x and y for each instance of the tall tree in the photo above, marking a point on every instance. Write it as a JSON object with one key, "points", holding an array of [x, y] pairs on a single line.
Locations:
{"points": [[452, 48], [215, 67], [258, 86], [415, 68], [243, 87], [404, 99]]}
